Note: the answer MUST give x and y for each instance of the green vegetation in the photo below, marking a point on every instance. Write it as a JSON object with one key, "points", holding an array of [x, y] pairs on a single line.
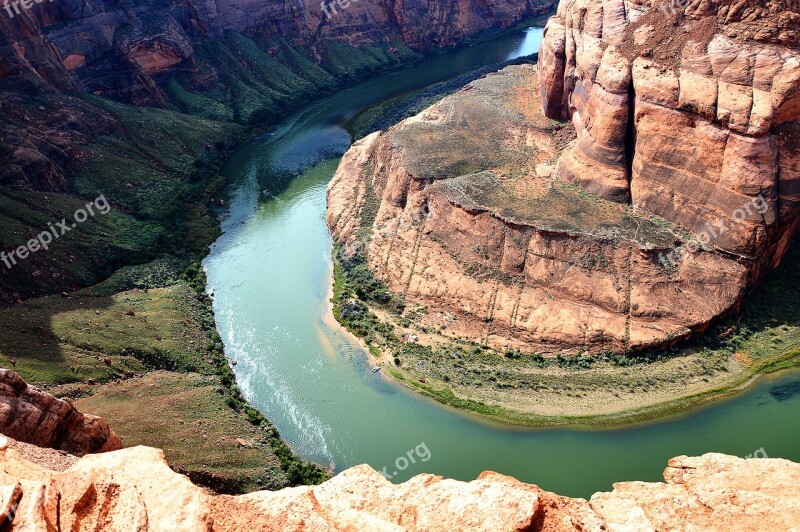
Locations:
{"points": [[390, 112], [156, 168], [139, 345], [260, 80], [354, 289], [80, 257], [149, 359]]}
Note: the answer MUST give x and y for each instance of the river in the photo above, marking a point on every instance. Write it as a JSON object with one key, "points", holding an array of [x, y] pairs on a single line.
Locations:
{"points": [[270, 274]]}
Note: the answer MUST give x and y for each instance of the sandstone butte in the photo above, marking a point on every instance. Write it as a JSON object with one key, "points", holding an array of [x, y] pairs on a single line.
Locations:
{"points": [[530, 209], [135, 489]]}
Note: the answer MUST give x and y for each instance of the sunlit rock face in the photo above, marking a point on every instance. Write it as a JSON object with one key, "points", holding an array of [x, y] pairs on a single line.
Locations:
{"points": [[36, 417], [621, 196], [134, 489], [686, 116]]}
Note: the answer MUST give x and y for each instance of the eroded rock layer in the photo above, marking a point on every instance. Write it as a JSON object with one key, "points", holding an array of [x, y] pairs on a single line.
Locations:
{"points": [[118, 48], [683, 116], [134, 489], [668, 194], [32, 416]]}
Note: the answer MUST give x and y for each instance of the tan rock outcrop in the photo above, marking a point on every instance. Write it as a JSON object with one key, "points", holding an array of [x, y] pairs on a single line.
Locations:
{"points": [[134, 489], [686, 138], [36, 417]]}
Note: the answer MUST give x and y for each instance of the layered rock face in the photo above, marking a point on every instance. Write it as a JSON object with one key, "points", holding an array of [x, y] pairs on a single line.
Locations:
{"points": [[134, 489], [32, 416], [118, 49], [693, 123], [671, 190], [688, 123]]}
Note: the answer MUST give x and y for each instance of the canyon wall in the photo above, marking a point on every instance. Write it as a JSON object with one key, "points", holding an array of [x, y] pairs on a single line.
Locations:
{"points": [[134, 489], [621, 196], [32, 416], [118, 48], [687, 117], [243, 61]]}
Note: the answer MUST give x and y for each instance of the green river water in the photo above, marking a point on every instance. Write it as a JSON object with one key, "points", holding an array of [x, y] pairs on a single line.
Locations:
{"points": [[270, 273]]}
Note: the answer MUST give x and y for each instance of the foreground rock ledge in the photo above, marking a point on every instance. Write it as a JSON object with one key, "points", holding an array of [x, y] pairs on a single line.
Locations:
{"points": [[134, 489], [36, 417]]}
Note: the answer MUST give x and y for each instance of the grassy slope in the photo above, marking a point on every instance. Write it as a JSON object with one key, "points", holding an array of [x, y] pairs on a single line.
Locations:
{"points": [[150, 361], [140, 347], [155, 167], [261, 80]]}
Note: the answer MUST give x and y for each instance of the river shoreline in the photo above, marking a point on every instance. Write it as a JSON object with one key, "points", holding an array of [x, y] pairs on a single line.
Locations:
{"points": [[441, 348], [623, 418]]}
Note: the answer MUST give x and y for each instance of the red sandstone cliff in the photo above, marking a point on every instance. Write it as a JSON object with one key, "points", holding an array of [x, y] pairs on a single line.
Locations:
{"points": [[672, 191], [689, 122], [32, 416]]}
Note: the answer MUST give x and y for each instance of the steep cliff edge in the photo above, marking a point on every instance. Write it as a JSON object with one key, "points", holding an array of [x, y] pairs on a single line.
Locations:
{"points": [[32, 416], [668, 196], [134, 489], [691, 122]]}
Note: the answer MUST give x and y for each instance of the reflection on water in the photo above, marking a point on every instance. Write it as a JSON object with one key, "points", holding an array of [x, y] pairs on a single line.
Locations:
{"points": [[529, 45], [785, 392]]}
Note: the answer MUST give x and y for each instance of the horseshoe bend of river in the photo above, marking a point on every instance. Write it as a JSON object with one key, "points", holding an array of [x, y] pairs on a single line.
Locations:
{"points": [[270, 273]]}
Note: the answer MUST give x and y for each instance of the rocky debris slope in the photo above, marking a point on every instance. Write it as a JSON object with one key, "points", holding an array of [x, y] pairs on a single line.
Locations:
{"points": [[134, 489], [36, 417], [676, 190]]}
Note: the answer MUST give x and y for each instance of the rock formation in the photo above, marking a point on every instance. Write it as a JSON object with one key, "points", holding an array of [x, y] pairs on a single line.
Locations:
{"points": [[134, 489], [135, 53], [32, 416], [670, 191], [118, 50]]}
